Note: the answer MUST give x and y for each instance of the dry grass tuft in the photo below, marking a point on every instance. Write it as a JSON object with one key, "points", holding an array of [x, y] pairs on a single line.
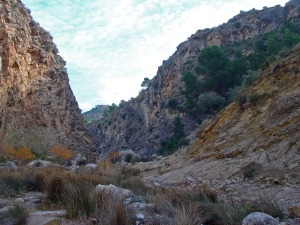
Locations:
{"points": [[16, 215], [111, 210]]}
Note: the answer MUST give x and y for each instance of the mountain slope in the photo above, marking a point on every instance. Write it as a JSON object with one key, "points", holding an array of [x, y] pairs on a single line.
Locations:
{"points": [[37, 105], [249, 150], [145, 123]]}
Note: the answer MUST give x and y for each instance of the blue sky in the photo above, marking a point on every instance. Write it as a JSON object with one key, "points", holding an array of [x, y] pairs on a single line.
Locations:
{"points": [[111, 45]]}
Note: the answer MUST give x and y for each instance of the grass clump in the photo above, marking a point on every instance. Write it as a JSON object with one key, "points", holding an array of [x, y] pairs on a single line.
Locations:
{"points": [[11, 183], [16, 215], [232, 213], [111, 210]]}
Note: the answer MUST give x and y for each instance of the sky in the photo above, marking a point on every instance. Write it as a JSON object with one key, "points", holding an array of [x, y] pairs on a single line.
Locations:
{"points": [[110, 46]]}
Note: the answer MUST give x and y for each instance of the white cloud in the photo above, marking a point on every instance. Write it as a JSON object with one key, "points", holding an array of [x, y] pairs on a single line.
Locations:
{"points": [[110, 46]]}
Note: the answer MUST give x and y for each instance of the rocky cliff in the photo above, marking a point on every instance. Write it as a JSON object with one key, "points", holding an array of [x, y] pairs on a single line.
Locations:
{"points": [[143, 123], [95, 113], [37, 105]]}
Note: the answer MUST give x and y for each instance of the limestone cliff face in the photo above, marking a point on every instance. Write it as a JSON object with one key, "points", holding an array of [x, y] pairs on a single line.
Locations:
{"points": [[144, 122], [37, 105]]}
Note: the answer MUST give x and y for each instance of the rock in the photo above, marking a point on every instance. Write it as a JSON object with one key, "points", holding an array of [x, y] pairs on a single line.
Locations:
{"points": [[33, 199], [19, 200], [56, 213], [260, 218], [8, 164], [190, 179], [5, 209], [114, 190], [139, 206], [91, 166], [156, 184], [39, 163], [55, 221], [140, 217], [37, 105], [79, 160], [46, 217], [127, 155], [294, 211]]}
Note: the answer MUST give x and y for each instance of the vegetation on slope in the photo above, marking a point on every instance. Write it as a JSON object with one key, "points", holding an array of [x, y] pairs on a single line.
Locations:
{"points": [[223, 73]]}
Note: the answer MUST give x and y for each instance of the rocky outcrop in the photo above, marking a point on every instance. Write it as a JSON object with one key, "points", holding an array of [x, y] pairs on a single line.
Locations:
{"points": [[37, 105], [95, 113], [143, 123]]}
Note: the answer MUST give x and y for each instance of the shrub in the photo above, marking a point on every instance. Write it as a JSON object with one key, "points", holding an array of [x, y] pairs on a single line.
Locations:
{"points": [[223, 213], [80, 199], [232, 213], [128, 158], [172, 103], [211, 102], [253, 98], [63, 153], [251, 170], [15, 215], [187, 215], [24, 154], [113, 156], [7, 152], [249, 78], [111, 210], [56, 188], [11, 183]]}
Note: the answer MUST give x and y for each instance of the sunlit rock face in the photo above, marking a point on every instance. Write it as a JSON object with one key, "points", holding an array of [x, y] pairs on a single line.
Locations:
{"points": [[37, 105], [143, 123]]}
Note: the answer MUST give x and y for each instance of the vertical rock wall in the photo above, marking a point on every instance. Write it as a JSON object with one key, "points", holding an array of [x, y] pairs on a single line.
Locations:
{"points": [[37, 105]]}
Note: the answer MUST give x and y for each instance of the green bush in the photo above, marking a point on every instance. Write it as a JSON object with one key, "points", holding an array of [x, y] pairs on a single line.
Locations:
{"points": [[227, 72], [176, 140], [210, 103]]}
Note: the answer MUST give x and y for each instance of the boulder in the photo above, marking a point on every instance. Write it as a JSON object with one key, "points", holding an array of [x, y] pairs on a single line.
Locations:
{"points": [[260, 218], [114, 190], [39, 163]]}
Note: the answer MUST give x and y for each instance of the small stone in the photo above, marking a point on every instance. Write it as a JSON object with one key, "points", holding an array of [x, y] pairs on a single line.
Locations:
{"points": [[32, 199], [91, 166], [140, 216], [190, 179], [156, 184], [19, 200]]}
